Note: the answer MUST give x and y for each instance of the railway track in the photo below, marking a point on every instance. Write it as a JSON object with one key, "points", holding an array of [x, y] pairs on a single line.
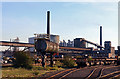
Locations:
{"points": [[63, 74], [96, 73], [111, 75]]}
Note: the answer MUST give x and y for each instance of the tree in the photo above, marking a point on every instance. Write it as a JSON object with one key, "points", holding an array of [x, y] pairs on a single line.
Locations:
{"points": [[22, 59]]}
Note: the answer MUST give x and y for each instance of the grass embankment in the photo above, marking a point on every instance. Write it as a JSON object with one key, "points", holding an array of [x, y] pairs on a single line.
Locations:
{"points": [[36, 71]]}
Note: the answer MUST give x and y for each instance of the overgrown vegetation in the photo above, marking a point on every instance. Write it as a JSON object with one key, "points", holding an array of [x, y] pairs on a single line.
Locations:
{"points": [[22, 59], [47, 68], [22, 72], [68, 62]]}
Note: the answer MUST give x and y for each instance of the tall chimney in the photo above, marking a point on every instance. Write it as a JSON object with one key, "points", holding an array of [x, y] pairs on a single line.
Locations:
{"points": [[101, 36], [48, 24]]}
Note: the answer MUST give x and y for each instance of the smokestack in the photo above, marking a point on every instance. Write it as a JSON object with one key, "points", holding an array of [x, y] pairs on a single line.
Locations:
{"points": [[48, 24], [101, 36]]}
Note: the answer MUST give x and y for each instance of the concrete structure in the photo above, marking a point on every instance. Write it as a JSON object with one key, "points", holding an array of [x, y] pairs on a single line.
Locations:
{"points": [[79, 43]]}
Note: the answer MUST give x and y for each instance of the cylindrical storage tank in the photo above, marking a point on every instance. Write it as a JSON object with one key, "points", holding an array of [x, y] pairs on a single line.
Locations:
{"points": [[43, 45], [54, 38]]}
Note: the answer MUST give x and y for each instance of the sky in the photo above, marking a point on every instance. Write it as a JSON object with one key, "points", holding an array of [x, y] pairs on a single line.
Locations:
{"points": [[119, 23], [69, 20], [59, 0]]}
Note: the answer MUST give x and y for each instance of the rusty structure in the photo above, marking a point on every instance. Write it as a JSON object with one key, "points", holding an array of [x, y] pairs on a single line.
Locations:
{"points": [[44, 45], [20, 44], [15, 44]]}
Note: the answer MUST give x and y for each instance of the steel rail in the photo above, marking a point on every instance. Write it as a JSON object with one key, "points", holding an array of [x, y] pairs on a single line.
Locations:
{"points": [[107, 75], [91, 73], [69, 73], [60, 73], [100, 72]]}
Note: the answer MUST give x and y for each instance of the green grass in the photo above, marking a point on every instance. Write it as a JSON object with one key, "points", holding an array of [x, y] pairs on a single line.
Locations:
{"points": [[19, 72], [37, 71]]}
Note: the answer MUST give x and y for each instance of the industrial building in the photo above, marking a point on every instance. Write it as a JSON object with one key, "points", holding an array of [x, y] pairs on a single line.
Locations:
{"points": [[79, 43], [107, 45], [108, 51]]}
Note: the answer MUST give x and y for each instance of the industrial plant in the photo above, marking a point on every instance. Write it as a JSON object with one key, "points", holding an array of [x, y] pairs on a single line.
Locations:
{"points": [[48, 49], [78, 46], [60, 40], [49, 44]]}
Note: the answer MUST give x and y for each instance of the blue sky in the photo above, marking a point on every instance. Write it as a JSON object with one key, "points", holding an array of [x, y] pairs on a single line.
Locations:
{"points": [[68, 19]]}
